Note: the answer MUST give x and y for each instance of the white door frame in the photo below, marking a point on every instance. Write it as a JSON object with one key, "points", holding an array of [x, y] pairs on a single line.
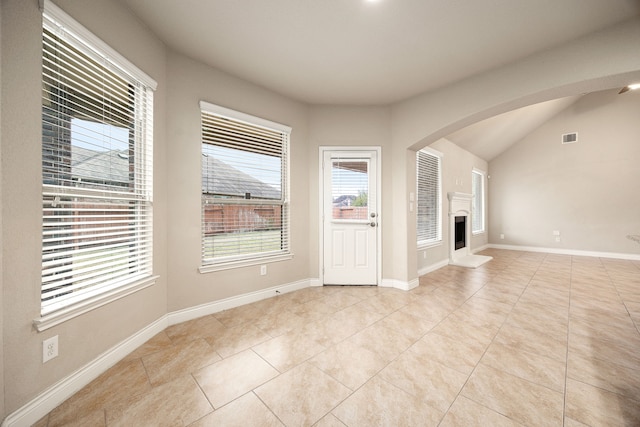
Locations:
{"points": [[378, 208]]}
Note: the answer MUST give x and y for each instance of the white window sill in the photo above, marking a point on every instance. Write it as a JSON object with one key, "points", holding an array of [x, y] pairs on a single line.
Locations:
{"points": [[475, 233], [210, 268], [423, 246], [67, 313]]}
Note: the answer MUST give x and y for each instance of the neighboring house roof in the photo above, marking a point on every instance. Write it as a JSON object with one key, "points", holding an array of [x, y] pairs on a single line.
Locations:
{"points": [[230, 181], [113, 167], [100, 166]]}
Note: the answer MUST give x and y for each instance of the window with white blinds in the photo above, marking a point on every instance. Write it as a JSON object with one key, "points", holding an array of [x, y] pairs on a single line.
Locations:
{"points": [[477, 202], [97, 156], [428, 201], [245, 207]]}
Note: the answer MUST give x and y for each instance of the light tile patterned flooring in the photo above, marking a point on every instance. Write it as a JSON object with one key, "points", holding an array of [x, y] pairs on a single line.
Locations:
{"points": [[527, 339]]}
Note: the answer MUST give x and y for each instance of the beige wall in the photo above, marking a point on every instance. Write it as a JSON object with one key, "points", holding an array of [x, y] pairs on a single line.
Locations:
{"points": [[587, 190], [457, 165], [85, 337], [349, 126], [602, 60], [1, 264], [189, 82]]}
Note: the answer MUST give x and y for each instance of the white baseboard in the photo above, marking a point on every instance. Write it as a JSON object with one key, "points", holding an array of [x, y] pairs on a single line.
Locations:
{"points": [[53, 396], [399, 284], [433, 267], [232, 302], [480, 248], [574, 252], [315, 282]]}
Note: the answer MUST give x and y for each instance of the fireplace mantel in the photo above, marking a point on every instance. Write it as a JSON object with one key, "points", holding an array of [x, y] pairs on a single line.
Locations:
{"points": [[460, 205]]}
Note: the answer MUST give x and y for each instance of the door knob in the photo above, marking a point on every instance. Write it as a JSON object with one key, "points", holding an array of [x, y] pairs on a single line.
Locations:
{"points": [[372, 224]]}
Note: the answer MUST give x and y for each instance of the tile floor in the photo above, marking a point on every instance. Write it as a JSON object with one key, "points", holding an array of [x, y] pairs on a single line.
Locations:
{"points": [[527, 339]]}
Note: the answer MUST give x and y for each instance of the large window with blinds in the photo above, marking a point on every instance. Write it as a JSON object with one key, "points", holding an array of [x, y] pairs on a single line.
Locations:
{"points": [[429, 198], [96, 168], [477, 201], [245, 206]]}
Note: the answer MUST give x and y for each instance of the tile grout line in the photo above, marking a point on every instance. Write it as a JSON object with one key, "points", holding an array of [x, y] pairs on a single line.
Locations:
{"points": [[480, 360], [566, 363]]}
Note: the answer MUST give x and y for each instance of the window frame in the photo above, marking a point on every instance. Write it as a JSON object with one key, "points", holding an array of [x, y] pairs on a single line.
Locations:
{"points": [[104, 290], [237, 261], [478, 174], [437, 239]]}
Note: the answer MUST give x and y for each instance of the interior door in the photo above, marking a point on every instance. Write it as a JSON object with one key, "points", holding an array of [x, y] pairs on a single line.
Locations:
{"points": [[350, 219]]}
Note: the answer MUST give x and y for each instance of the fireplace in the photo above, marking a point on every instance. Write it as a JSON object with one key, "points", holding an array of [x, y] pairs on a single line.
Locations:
{"points": [[460, 232]]}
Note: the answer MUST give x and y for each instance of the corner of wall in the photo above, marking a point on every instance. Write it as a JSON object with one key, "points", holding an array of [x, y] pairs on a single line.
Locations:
{"points": [[2, 412]]}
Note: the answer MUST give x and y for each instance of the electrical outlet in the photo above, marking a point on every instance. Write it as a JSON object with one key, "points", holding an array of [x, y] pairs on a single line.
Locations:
{"points": [[424, 254], [558, 239], [263, 270], [49, 349], [502, 236]]}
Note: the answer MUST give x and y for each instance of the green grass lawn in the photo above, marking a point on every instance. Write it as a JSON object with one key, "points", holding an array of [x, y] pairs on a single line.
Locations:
{"points": [[242, 243]]}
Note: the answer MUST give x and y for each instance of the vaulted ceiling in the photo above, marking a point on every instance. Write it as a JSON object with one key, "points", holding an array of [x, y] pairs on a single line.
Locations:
{"points": [[488, 138]]}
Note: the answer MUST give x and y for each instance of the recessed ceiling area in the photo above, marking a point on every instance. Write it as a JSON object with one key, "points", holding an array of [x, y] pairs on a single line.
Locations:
{"points": [[355, 52]]}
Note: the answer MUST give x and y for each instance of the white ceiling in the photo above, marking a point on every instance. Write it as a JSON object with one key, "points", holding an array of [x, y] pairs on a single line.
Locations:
{"points": [[359, 52]]}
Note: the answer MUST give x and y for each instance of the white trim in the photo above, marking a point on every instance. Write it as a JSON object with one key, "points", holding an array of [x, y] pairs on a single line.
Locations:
{"points": [[428, 245], [315, 282], [480, 249], [84, 306], [219, 266], [54, 395], [235, 301], [243, 117], [400, 284], [433, 267], [329, 148], [433, 152], [574, 252], [99, 47]]}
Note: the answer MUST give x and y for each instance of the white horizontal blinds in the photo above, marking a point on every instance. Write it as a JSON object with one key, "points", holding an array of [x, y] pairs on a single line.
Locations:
{"points": [[350, 189], [96, 171], [241, 160], [244, 201], [477, 221], [428, 197]]}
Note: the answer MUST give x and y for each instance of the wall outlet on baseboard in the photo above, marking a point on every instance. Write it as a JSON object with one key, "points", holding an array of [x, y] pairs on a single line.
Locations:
{"points": [[502, 236], [263, 270]]}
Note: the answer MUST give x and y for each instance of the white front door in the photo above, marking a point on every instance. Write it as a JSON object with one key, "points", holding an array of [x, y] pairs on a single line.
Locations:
{"points": [[350, 217]]}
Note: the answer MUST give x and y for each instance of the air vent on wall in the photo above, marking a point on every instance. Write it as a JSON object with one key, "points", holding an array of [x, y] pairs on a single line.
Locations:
{"points": [[570, 138]]}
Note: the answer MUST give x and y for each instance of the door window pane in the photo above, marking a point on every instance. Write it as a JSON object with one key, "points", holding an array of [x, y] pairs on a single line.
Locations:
{"points": [[350, 189]]}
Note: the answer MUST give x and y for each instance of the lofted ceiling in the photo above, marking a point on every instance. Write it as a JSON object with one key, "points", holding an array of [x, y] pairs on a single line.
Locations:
{"points": [[359, 52], [488, 138]]}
